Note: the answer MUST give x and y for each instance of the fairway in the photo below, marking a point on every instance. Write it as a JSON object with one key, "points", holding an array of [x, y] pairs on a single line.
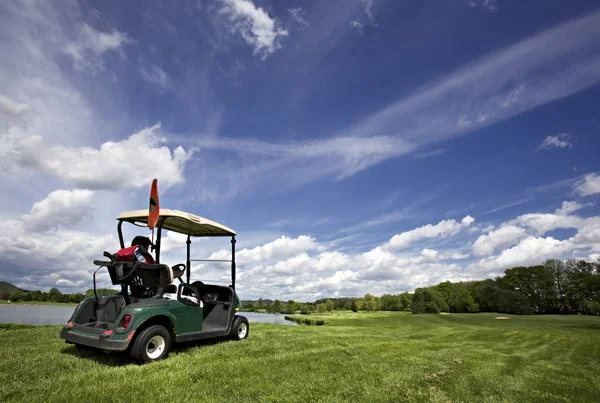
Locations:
{"points": [[354, 357]]}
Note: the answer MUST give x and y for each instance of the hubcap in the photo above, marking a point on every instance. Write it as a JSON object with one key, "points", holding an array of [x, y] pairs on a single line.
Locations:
{"points": [[155, 347], [242, 330]]}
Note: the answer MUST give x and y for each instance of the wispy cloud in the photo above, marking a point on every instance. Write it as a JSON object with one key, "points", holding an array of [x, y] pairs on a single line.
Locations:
{"points": [[156, 76], [431, 153], [86, 50], [356, 25], [487, 5], [243, 163], [297, 15], [253, 23], [559, 141], [543, 68]]}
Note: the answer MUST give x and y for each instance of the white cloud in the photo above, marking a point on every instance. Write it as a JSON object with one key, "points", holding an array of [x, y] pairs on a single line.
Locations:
{"points": [[278, 249], [540, 223], [156, 76], [39, 259], [487, 5], [357, 25], [540, 69], [131, 163], [502, 237], [590, 185], [10, 107], [257, 28], [569, 207], [61, 208], [559, 141], [282, 166], [369, 10], [297, 15], [529, 251], [87, 50], [441, 229]]}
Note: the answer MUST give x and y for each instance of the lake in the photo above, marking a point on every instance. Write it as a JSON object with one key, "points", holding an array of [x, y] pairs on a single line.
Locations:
{"points": [[58, 315]]}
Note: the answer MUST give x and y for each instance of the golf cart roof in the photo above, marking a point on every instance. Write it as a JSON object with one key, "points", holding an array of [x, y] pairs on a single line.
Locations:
{"points": [[181, 222]]}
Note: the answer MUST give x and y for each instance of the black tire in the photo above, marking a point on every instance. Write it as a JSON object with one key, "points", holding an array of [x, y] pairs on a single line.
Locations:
{"points": [[240, 328], [152, 344]]}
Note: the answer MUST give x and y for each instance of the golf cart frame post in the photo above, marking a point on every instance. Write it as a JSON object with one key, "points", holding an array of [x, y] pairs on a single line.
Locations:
{"points": [[188, 260]]}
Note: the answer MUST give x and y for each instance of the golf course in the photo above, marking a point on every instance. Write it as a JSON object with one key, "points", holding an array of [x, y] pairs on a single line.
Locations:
{"points": [[370, 357]]}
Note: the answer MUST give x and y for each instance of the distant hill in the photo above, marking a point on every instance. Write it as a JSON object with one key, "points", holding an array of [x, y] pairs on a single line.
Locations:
{"points": [[4, 286]]}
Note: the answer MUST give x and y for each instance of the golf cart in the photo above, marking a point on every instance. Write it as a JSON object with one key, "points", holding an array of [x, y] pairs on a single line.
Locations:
{"points": [[151, 311]]}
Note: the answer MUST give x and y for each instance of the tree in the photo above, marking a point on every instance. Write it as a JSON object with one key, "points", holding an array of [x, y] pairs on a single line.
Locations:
{"points": [[5, 294], [329, 305], [428, 300], [470, 304], [404, 301], [277, 306], [258, 305], [388, 302], [370, 303], [354, 306], [100, 291], [16, 295], [54, 294]]}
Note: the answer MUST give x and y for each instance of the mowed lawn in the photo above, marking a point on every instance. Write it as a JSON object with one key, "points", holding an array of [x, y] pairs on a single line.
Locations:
{"points": [[362, 357]]}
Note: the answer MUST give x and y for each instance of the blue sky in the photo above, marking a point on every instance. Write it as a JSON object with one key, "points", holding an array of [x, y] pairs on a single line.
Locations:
{"points": [[355, 146]]}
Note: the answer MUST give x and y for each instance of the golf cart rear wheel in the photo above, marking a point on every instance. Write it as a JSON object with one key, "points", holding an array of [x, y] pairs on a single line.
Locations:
{"points": [[240, 328], [152, 344]]}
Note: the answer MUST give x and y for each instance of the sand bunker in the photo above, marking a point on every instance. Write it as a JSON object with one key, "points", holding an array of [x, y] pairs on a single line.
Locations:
{"points": [[501, 317]]}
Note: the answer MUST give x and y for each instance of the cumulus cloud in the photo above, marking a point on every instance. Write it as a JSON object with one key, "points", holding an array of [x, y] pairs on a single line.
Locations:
{"points": [[277, 249], [86, 50], [255, 26], [569, 207], [126, 164], [61, 208], [441, 229], [505, 235], [559, 141], [39, 259], [529, 251], [540, 223], [590, 185]]}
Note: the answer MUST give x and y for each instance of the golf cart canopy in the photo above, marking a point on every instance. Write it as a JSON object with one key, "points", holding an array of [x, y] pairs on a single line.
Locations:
{"points": [[179, 221]]}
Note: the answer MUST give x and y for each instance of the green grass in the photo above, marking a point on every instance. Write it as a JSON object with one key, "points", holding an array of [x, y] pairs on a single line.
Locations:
{"points": [[5, 302], [361, 357]]}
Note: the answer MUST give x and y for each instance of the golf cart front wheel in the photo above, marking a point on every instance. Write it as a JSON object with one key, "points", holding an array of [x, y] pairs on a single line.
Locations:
{"points": [[152, 344], [240, 328]]}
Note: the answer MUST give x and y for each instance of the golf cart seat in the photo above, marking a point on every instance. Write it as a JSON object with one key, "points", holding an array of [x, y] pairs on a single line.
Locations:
{"points": [[145, 279]]}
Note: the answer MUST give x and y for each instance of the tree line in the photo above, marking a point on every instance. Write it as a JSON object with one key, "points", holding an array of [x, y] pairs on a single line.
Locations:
{"points": [[54, 295], [554, 287]]}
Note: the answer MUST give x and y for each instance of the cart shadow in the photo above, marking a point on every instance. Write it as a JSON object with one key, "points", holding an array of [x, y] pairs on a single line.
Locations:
{"points": [[122, 358], [108, 358]]}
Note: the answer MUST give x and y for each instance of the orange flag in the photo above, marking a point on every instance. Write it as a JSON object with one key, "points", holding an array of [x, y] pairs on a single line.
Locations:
{"points": [[154, 209]]}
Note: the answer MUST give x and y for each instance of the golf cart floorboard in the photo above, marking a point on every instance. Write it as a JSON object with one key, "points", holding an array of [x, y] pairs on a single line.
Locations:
{"points": [[205, 334]]}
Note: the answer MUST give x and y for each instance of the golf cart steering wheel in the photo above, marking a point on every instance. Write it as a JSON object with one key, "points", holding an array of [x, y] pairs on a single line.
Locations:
{"points": [[179, 268]]}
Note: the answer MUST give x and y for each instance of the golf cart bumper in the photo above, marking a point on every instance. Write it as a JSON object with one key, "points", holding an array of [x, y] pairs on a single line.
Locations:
{"points": [[99, 341]]}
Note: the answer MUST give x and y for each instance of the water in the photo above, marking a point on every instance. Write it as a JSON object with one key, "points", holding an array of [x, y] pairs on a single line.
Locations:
{"points": [[59, 315]]}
